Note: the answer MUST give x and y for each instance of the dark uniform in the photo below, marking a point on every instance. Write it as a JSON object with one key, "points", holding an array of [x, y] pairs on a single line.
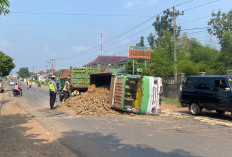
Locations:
{"points": [[52, 90]]}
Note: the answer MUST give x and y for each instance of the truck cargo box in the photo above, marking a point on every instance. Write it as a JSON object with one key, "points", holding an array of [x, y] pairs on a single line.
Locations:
{"points": [[137, 94]]}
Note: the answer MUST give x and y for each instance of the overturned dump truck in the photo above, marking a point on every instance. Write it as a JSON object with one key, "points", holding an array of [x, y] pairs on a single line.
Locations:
{"points": [[137, 94], [80, 78]]}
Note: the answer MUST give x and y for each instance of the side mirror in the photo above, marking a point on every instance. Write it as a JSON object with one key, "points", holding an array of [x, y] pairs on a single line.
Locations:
{"points": [[227, 90]]}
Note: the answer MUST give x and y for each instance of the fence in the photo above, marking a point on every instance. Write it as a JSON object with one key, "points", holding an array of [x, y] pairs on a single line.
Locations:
{"points": [[170, 89]]}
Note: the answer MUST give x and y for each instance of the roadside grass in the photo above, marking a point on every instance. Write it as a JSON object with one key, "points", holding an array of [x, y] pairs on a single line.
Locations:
{"points": [[172, 101], [44, 84]]}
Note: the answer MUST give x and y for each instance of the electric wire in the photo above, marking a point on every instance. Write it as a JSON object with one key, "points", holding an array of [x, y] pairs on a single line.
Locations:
{"points": [[201, 5]]}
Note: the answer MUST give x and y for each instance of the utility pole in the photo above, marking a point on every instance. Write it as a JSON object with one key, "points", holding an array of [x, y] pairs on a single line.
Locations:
{"points": [[52, 61], [174, 15], [101, 48], [33, 69], [174, 38]]}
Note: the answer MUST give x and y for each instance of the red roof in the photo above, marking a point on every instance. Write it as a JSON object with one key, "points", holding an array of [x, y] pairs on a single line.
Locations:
{"points": [[41, 72], [51, 70], [107, 60]]}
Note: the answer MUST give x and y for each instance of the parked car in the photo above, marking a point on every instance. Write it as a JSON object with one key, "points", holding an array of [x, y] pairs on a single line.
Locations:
{"points": [[12, 83], [209, 92]]}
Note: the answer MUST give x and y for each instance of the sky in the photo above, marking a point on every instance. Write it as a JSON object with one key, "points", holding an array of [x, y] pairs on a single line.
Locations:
{"points": [[69, 31]]}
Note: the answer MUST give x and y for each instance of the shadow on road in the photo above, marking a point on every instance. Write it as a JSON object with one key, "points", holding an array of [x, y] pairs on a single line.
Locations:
{"points": [[211, 114], [111, 146], [16, 142]]}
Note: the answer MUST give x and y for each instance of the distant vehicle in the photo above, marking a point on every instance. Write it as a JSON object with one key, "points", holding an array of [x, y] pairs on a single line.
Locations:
{"points": [[12, 83], [17, 92], [209, 92]]}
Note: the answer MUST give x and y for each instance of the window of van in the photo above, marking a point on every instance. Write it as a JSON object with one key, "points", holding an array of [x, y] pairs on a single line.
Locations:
{"points": [[204, 83], [220, 85], [190, 83]]}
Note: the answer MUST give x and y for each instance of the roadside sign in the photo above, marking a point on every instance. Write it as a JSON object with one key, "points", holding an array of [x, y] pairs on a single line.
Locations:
{"points": [[139, 70], [137, 52]]}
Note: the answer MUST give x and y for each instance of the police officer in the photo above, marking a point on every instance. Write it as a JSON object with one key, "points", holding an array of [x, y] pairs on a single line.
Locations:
{"points": [[53, 91]]}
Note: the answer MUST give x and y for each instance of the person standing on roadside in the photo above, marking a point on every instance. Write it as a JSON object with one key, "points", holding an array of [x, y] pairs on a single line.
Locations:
{"points": [[66, 89], [53, 91]]}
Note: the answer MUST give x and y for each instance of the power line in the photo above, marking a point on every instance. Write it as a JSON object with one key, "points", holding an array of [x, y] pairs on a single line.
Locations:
{"points": [[202, 5], [113, 38], [135, 27], [78, 14], [196, 32], [183, 3], [55, 25], [194, 28], [195, 19]]}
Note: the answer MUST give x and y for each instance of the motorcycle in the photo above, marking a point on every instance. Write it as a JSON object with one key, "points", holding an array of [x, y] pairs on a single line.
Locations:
{"points": [[17, 92]]}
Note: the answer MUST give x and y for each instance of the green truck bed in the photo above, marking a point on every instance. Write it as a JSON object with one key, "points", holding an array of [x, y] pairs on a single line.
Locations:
{"points": [[79, 77]]}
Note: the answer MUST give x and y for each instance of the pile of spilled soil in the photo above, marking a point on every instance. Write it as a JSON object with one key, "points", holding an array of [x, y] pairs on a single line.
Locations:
{"points": [[93, 102]]}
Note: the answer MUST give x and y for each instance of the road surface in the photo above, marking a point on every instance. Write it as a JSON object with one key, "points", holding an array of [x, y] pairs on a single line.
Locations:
{"points": [[174, 135]]}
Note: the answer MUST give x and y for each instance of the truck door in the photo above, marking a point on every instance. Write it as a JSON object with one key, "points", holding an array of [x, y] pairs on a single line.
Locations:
{"points": [[221, 97], [189, 91], [204, 91]]}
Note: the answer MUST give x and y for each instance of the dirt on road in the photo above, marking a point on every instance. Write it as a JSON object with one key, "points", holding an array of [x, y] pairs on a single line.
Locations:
{"points": [[22, 136]]}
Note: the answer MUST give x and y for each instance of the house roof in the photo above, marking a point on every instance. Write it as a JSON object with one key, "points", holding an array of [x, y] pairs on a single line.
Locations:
{"points": [[41, 72], [54, 70], [107, 60]]}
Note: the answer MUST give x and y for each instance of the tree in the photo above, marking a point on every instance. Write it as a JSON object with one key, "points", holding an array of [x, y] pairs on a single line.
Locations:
{"points": [[6, 64], [24, 72], [220, 22], [4, 5], [151, 41], [164, 24], [141, 43]]}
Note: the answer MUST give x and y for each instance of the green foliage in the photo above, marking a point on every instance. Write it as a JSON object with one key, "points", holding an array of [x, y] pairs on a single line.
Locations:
{"points": [[188, 67], [164, 24], [220, 23], [4, 5], [23, 72], [151, 41], [6, 64], [141, 43], [192, 56], [224, 60], [138, 64]]}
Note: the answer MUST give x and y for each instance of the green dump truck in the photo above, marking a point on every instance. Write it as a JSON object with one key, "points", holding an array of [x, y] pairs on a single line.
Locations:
{"points": [[137, 94], [79, 79]]}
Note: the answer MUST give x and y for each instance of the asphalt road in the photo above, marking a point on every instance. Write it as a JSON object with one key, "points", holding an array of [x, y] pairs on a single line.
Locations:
{"points": [[128, 136]]}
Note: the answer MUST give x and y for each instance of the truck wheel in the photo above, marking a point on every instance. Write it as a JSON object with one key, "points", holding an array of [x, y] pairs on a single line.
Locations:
{"points": [[61, 97], [195, 109], [184, 105], [220, 112]]}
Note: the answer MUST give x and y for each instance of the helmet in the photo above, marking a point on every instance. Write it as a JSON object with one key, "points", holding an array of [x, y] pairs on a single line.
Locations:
{"points": [[53, 76]]}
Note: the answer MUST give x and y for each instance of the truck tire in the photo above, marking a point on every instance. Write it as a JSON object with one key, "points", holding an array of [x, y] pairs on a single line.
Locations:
{"points": [[195, 109], [183, 105], [220, 112], [61, 97]]}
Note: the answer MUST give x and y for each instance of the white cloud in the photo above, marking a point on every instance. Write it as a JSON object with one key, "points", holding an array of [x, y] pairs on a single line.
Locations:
{"points": [[4, 43], [133, 3], [80, 48]]}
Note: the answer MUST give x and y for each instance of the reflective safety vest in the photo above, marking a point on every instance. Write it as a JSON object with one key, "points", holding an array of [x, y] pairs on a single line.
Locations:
{"points": [[51, 86]]}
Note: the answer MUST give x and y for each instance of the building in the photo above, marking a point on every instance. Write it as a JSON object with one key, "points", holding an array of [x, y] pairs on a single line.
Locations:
{"points": [[105, 62]]}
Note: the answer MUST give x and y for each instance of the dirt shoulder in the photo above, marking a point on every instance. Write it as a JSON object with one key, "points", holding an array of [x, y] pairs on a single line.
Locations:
{"points": [[21, 135]]}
